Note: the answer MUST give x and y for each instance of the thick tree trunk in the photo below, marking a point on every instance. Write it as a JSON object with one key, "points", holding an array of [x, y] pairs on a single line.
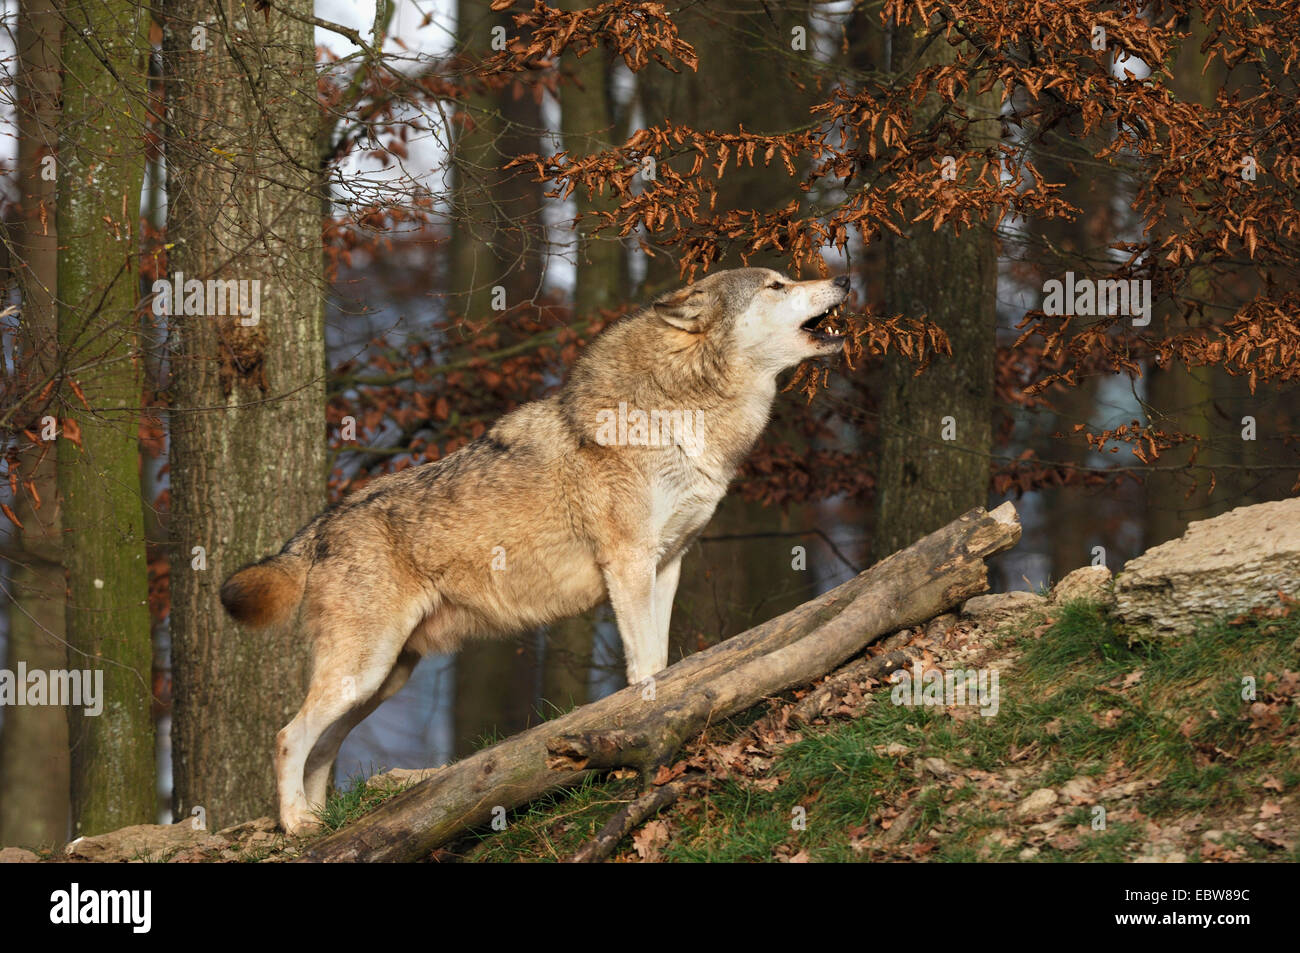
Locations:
{"points": [[911, 586], [496, 691], [932, 468], [566, 662], [248, 460], [100, 172], [34, 779]]}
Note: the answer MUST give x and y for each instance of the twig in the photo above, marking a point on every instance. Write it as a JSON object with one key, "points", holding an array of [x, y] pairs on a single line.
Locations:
{"points": [[816, 702], [622, 823]]}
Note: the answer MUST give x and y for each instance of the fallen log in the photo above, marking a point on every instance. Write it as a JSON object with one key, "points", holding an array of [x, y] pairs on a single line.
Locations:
{"points": [[651, 742], [915, 584]]}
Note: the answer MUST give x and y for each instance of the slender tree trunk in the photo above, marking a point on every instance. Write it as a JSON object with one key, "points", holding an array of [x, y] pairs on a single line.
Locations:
{"points": [[248, 413], [589, 124], [100, 172], [496, 245], [936, 429], [498, 229], [34, 769], [1182, 398], [1078, 518]]}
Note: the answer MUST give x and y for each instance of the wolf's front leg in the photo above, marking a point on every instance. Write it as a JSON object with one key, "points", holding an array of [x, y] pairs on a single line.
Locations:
{"points": [[665, 589], [631, 585]]}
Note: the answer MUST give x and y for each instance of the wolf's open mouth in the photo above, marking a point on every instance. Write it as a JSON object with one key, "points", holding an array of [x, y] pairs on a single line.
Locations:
{"points": [[824, 326]]}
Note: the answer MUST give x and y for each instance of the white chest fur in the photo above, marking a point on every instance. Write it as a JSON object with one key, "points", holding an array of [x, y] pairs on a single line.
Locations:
{"points": [[687, 484]]}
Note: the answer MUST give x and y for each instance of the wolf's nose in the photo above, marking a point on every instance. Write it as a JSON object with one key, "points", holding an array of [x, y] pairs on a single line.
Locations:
{"points": [[842, 282]]}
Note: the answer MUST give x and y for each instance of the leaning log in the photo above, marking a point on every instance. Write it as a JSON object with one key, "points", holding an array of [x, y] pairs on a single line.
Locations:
{"points": [[929, 577]]}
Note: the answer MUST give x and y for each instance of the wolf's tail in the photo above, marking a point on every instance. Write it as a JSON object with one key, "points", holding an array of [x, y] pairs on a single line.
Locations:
{"points": [[267, 592]]}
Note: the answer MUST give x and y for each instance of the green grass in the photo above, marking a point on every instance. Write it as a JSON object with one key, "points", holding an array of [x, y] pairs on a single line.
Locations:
{"points": [[1073, 700], [551, 827], [360, 798]]}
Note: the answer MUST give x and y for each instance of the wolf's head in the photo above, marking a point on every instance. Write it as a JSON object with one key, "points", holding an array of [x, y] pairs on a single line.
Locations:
{"points": [[702, 362], [765, 319]]}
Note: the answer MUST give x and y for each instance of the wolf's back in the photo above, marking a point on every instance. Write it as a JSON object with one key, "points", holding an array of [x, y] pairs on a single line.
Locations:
{"points": [[267, 592]]}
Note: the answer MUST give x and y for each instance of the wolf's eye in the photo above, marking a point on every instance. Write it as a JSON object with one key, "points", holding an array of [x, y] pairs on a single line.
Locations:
{"points": [[777, 285]]}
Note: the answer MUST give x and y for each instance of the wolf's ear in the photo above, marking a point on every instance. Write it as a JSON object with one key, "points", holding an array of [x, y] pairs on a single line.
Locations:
{"points": [[684, 309]]}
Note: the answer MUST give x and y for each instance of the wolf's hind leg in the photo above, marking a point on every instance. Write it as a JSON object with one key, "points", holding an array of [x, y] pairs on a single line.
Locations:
{"points": [[340, 681], [322, 756]]}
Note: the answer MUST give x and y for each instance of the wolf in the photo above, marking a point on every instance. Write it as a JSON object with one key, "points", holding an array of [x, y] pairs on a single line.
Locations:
{"points": [[563, 503]]}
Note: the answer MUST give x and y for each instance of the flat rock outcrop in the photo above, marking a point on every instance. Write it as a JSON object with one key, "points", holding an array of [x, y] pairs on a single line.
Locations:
{"points": [[1227, 565]]}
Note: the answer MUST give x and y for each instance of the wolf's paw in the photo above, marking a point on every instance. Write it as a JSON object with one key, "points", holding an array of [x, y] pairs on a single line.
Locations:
{"points": [[299, 823]]}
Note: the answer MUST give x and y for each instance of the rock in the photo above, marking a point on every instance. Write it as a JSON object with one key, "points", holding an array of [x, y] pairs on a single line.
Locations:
{"points": [[892, 750], [259, 825], [1160, 854], [938, 767], [17, 855], [1079, 790], [1050, 826], [940, 626], [143, 842], [399, 777], [1040, 802], [191, 855], [1220, 567], [1001, 838], [1086, 582], [1029, 853], [995, 610], [1127, 789]]}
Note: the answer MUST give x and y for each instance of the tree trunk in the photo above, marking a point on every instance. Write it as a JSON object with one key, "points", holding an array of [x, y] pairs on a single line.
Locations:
{"points": [[498, 240], [248, 461], [497, 244], [742, 48], [100, 173], [34, 769], [589, 124], [1182, 399], [932, 468], [911, 586], [1080, 517]]}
